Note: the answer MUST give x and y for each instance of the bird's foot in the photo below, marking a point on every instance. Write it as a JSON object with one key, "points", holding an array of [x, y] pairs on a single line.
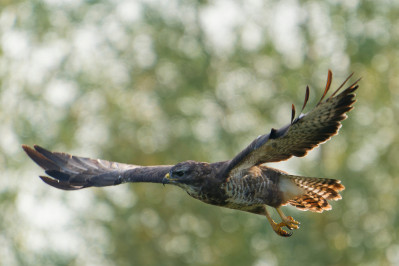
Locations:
{"points": [[286, 221], [290, 223], [278, 228]]}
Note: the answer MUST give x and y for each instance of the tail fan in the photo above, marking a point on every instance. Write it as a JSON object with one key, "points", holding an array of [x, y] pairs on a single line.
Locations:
{"points": [[318, 191]]}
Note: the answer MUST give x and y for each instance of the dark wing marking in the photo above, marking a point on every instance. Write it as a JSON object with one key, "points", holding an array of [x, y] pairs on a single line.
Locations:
{"points": [[302, 134], [70, 172]]}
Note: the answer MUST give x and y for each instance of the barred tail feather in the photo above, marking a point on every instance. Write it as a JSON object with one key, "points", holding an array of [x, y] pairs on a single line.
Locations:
{"points": [[317, 192]]}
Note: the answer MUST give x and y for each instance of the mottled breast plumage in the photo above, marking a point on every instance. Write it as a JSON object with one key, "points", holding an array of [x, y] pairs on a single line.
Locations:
{"points": [[255, 186]]}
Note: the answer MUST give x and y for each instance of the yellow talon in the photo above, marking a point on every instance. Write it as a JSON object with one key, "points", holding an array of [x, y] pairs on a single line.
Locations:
{"points": [[280, 231], [291, 223], [287, 221]]}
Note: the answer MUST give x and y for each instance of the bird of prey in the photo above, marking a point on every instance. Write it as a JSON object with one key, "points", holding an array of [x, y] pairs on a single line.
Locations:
{"points": [[242, 183]]}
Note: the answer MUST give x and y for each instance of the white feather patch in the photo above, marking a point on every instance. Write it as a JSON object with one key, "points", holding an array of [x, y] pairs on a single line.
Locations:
{"points": [[289, 189]]}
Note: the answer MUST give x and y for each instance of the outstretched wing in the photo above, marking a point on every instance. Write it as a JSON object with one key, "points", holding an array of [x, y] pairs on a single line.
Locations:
{"points": [[302, 134], [70, 172]]}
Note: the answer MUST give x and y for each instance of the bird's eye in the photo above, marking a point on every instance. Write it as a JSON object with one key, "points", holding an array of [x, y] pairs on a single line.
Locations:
{"points": [[179, 173]]}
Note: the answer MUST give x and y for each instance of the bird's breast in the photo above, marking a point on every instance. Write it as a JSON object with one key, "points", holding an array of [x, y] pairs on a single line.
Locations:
{"points": [[249, 190], [210, 192]]}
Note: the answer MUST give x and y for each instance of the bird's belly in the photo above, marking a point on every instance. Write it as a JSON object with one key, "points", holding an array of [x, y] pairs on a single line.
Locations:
{"points": [[241, 204], [254, 208], [240, 201], [249, 193]]}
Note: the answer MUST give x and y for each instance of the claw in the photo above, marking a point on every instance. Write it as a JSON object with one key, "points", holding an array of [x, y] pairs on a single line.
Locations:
{"points": [[291, 223], [287, 221], [280, 231]]}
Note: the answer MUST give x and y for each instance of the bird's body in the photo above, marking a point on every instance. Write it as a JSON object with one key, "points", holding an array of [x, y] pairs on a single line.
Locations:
{"points": [[246, 191], [242, 183], [254, 187], [257, 186]]}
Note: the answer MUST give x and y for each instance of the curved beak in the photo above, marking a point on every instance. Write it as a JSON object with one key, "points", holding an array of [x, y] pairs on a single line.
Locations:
{"points": [[166, 179]]}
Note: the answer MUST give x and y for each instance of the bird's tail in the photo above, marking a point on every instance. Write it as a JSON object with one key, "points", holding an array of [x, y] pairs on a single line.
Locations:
{"points": [[317, 192]]}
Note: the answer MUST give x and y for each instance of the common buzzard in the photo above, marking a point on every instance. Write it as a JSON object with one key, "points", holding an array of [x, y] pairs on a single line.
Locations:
{"points": [[242, 183]]}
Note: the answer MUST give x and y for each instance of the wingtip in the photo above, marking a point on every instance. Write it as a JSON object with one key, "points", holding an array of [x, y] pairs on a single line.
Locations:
{"points": [[26, 148], [29, 150], [354, 85], [343, 83], [292, 113], [328, 85], [306, 98], [40, 148], [57, 184], [47, 179], [40, 156]]}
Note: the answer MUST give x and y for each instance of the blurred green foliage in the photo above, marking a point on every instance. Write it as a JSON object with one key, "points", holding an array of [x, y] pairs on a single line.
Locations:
{"points": [[158, 82]]}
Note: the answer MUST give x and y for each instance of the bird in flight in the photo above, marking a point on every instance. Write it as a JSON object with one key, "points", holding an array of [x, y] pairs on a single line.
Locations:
{"points": [[243, 183]]}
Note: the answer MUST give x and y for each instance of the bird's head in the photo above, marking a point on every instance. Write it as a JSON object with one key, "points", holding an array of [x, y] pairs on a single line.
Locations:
{"points": [[188, 174]]}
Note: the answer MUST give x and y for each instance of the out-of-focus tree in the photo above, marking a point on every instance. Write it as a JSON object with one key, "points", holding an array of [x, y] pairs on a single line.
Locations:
{"points": [[158, 82]]}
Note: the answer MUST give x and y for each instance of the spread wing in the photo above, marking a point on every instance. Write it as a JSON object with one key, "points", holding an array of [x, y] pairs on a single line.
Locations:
{"points": [[70, 172], [302, 134]]}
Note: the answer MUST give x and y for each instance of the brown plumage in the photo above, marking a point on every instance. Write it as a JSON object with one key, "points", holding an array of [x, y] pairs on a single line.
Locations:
{"points": [[244, 182], [318, 191]]}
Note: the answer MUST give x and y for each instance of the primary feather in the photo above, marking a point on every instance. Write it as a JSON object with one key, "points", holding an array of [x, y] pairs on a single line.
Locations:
{"points": [[71, 172], [302, 134]]}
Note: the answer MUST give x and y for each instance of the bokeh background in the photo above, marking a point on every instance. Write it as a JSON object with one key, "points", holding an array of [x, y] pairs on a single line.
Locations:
{"points": [[158, 82]]}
